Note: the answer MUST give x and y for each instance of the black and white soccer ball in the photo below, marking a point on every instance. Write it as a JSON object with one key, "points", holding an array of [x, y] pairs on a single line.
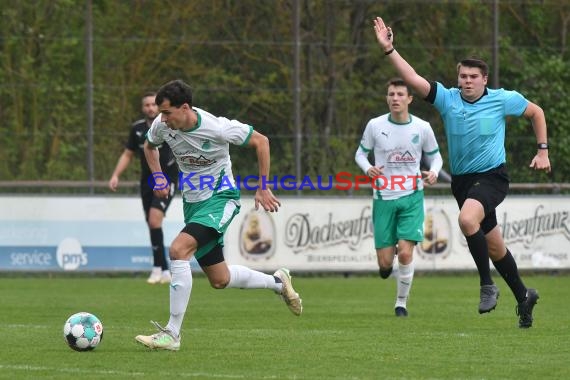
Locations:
{"points": [[83, 331]]}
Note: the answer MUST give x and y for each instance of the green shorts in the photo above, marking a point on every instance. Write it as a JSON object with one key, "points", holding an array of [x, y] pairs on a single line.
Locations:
{"points": [[216, 212], [398, 219]]}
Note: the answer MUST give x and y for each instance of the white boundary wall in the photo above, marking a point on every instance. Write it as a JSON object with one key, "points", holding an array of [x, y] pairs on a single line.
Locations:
{"points": [[43, 233]]}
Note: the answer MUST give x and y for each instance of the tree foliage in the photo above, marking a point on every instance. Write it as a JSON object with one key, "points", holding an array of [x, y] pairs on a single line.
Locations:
{"points": [[238, 56]]}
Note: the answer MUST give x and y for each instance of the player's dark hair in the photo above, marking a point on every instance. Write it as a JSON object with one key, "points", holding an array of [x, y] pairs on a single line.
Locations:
{"points": [[475, 62], [177, 92], [148, 93], [399, 82]]}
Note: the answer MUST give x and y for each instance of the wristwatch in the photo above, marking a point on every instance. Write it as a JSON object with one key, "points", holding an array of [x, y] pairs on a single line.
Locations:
{"points": [[542, 146]]}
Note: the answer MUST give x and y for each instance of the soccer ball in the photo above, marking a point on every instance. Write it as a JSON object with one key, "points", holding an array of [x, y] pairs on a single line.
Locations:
{"points": [[83, 331]]}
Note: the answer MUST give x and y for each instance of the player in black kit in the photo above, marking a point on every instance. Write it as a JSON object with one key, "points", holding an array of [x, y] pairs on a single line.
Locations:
{"points": [[154, 207]]}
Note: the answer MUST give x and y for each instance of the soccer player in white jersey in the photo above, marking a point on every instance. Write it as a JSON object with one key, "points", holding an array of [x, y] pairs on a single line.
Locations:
{"points": [[474, 120], [200, 142], [398, 140]]}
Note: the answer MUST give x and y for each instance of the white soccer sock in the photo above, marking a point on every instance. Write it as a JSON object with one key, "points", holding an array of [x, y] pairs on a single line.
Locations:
{"points": [[405, 278], [180, 289], [245, 278]]}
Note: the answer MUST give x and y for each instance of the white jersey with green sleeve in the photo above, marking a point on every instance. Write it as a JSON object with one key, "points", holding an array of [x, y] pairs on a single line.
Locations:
{"points": [[398, 147], [202, 152]]}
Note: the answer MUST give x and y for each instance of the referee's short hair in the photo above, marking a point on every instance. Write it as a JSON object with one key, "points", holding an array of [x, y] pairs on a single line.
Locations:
{"points": [[475, 62]]}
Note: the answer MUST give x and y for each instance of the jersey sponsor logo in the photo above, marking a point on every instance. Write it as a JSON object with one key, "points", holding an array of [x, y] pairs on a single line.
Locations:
{"points": [[197, 161], [401, 158]]}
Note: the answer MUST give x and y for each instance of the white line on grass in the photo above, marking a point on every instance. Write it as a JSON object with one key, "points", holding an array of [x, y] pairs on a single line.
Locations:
{"points": [[119, 373], [68, 370], [132, 374]]}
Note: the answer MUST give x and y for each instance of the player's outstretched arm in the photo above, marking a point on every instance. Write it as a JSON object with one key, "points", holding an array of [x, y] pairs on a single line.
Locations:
{"points": [[263, 196], [385, 37], [152, 156]]}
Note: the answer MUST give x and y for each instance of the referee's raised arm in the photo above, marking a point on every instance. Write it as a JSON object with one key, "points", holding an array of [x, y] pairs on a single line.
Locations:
{"points": [[385, 37]]}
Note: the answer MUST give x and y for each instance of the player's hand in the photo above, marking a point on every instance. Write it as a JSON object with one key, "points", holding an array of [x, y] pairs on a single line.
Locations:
{"points": [[541, 161], [384, 34], [267, 200], [375, 171], [113, 183], [429, 177]]}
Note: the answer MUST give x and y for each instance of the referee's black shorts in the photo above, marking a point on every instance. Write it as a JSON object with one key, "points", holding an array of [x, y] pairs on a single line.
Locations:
{"points": [[489, 188]]}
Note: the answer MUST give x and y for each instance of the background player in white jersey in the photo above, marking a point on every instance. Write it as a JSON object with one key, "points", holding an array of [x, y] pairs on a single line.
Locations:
{"points": [[200, 142], [398, 140], [474, 120]]}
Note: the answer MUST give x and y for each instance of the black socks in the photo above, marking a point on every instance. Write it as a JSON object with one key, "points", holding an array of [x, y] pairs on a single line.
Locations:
{"points": [[480, 252], [507, 268], [157, 242]]}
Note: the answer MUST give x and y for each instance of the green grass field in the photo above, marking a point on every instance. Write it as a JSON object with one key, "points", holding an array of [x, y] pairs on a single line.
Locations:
{"points": [[347, 331]]}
